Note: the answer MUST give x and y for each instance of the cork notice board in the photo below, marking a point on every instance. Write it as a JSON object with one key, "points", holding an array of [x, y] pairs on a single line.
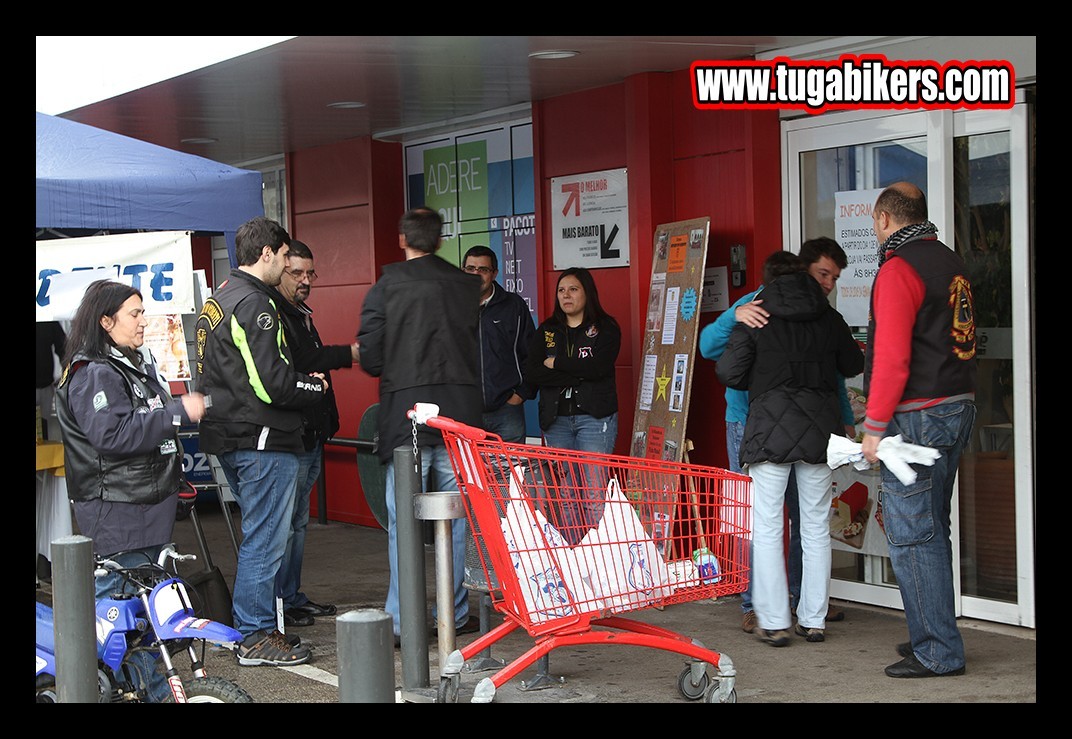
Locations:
{"points": [[669, 340]]}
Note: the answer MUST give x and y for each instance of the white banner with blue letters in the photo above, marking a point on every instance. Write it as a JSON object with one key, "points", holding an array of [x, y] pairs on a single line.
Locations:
{"points": [[158, 263]]}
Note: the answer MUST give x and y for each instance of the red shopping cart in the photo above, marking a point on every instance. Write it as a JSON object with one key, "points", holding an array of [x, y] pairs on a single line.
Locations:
{"points": [[569, 541]]}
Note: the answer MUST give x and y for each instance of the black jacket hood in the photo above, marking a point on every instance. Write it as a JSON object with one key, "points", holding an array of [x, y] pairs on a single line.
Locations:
{"points": [[794, 297]]}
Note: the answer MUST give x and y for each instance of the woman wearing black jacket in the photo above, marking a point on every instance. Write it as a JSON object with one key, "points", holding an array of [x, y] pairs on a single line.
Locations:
{"points": [[571, 361], [120, 437], [790, 369]]}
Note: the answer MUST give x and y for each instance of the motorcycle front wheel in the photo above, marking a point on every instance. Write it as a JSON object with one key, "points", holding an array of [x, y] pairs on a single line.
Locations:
{"points": [[213, 690]]}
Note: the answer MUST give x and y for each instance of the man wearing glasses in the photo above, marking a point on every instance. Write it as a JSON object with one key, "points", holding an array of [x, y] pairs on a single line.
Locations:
{"points": [[506, 330], [321, 423]]}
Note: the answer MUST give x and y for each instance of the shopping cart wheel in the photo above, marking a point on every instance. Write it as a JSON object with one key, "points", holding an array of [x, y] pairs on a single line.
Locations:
{"points": [[712, 695], [448, 689], [693, 690]]}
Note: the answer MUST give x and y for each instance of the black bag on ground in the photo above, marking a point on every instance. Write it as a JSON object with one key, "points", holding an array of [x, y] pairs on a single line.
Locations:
{"points": [[211, 597]]}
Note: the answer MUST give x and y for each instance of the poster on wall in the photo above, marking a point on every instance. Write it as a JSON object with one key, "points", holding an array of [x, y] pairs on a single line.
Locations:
{"points": [[165, 338], [854, 231], [482, 184], [590, 220], [669, 341]]}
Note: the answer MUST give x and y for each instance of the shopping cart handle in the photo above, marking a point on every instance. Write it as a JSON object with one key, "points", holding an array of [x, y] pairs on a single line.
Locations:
{"points": [[449, 424]]}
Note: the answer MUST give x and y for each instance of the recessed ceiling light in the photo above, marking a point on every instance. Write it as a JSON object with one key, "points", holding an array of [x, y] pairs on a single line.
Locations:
{"points": [[553, 54], [346, 105], [199, 140]]}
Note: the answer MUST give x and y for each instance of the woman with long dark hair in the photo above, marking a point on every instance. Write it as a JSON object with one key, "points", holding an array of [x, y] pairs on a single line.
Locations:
{"points": [[571, 361], [121, 447]]}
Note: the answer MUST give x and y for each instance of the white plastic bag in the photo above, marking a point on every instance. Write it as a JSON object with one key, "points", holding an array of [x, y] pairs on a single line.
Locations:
{"points": [[546, 566], [623, 564]]}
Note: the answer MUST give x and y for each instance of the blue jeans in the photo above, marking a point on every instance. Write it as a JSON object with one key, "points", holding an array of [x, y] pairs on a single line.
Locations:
{"points": [[508, 422], [583, 433], [432, 458], [288, 581], [144, 673], [263, 484], [917, 529], [734, 435]]}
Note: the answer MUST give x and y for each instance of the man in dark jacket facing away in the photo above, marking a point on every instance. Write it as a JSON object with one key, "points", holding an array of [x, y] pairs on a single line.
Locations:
{"points": [[506, 328], [790, 369], [419, 336]]}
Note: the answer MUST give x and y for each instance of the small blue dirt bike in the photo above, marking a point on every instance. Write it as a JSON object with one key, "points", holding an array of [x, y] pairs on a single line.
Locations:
{"points": [[152, 613]]}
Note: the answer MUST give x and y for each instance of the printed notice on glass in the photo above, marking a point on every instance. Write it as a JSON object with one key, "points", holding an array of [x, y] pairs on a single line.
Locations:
{"points": [[854, 230]]}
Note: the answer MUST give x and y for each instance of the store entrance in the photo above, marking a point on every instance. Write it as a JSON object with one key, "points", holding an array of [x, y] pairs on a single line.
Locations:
{"points": [[974, 167]]}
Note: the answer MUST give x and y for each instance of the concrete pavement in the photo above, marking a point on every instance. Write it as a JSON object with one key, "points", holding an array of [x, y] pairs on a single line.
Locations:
{"points": [[347, 565]]}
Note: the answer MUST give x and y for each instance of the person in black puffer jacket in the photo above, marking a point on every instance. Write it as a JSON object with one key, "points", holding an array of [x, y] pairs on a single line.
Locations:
{"points": [[790, 369]]}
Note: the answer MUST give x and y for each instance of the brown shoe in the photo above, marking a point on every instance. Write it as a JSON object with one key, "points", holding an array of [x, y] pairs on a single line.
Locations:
{"points": [[748, 622], [834, 613]]}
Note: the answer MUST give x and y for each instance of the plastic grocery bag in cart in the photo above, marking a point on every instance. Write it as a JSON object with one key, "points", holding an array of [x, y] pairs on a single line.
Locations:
{"points": [[622, 562], [547, 569]]}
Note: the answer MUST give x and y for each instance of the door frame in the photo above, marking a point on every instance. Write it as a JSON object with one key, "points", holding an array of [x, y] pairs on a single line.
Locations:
{"points": [[940, 128]]}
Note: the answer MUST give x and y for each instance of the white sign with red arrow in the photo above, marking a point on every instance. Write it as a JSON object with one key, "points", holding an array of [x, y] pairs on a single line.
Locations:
{"points": [[590, 220]]}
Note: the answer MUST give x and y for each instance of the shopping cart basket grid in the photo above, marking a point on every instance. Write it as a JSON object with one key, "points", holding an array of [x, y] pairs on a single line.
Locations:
{"points": [[570, 542]]}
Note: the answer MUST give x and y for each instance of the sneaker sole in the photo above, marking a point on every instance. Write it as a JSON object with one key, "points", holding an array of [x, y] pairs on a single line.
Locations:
{"points": [[258, 661]]}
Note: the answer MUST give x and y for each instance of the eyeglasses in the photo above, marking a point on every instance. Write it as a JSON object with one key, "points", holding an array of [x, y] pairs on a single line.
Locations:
{"points": [[472, 269], [301, 274]]}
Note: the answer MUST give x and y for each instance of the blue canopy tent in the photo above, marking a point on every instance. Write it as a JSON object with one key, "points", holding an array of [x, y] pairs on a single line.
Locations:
{"points": [[96, 180]]}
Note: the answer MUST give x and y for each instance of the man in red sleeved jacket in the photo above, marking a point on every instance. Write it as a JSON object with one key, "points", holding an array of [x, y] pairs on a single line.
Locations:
{"points": [[919, 379]]}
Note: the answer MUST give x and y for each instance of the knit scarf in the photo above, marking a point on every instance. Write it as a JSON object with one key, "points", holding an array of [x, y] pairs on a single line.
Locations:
{"points": [[908, 233]]}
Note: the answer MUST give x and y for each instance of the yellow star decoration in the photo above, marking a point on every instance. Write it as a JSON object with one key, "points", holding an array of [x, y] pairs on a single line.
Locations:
{"points": [[663, 381]]}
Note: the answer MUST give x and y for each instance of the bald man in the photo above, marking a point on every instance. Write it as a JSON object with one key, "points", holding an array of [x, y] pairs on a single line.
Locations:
{"points": [[919, 380]]}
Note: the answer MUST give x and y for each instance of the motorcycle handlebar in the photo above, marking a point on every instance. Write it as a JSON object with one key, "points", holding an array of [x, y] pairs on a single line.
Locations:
{"points": [[104, 566]]}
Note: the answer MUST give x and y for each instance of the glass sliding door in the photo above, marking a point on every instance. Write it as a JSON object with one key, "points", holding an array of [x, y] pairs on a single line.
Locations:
{"points": [[973, 167]]}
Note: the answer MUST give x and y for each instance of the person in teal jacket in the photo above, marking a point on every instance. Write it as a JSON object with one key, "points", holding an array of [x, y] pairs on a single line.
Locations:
{"points": [[825, 259]]}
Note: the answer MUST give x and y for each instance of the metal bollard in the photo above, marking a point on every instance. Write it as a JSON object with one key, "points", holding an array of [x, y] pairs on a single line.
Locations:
{"points": [[73, 608], [366, 656], [412, 594], [442, 507]]}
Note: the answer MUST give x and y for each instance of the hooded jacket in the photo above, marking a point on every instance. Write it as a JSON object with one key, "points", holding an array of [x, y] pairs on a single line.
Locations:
{"points": [[790, 369]]}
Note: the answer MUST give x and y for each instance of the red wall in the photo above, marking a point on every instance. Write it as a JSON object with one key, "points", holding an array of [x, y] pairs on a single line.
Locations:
{"points": [[683, 163], [345, 201]]}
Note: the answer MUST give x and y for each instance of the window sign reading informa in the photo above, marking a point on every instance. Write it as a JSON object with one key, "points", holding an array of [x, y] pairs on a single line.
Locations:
{"points": [[853, 229], [590, 220]]}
